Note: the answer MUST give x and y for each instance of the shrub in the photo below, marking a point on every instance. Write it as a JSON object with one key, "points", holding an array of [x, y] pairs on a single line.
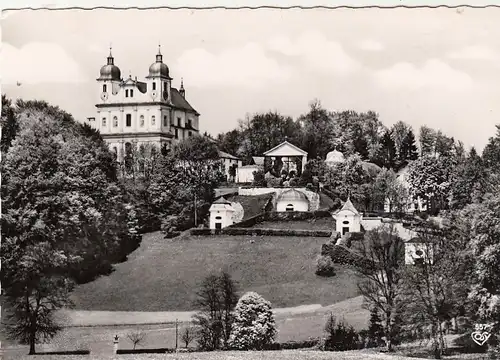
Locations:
{"points": [[324, 266], [340, 336], [254, 326], [259, 179]]}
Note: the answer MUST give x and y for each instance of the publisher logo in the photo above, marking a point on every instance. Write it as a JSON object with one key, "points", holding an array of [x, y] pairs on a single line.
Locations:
{"points": [[481, 334]]}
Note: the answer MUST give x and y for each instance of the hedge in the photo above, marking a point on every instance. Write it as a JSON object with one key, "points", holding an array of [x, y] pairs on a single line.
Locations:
{"points": [[261, 232], [145, 351], [342, 255], [69, 352], [297, 215], [252, 221], [293, 345]]}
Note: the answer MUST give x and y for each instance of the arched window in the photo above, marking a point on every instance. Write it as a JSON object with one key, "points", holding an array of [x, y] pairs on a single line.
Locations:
{"points": [[141, 120], [115, 153], [154, 86], [103, 121], [131, 93], [115, 121], [289, 207], [126, 93], [153, 120], [104, 88], [128, 120], [165, 120]]}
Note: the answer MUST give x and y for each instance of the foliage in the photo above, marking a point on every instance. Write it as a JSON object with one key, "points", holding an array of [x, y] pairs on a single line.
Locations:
{"points": [[429, 178], [375, 330], [386, 153], [64, 217], [188, 335], [339, 336], [259, 179], [408, 150], [434, 287], [324, 266], [388, 189], [382, 289], [427, 139], [137, 337], [216, 300], [8, 123], [254, 326]]}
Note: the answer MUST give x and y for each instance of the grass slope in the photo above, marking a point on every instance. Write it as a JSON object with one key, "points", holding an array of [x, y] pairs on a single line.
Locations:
{"points": [[163, 275]]}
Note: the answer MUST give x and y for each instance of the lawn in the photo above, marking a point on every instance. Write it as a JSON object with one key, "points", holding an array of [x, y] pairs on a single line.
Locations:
{"points": [[247, 355], [326, 223], [164, 274]]}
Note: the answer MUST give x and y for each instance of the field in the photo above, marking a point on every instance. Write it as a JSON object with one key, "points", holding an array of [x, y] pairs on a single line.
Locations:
{"points": [[313, 224], [163, 274], [269, 355]]}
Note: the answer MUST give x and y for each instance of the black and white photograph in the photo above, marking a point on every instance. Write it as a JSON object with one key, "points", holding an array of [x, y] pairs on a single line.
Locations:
{"points": [[250, 183]]}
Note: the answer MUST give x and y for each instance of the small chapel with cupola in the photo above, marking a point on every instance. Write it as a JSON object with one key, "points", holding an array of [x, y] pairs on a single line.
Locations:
{"points": [[132, 114]]}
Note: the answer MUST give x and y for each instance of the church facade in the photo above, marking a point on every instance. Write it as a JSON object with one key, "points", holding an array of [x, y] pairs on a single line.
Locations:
{"points": [[134, 115]]}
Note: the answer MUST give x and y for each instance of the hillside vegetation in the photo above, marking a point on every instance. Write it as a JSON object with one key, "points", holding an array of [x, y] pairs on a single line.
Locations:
{"points": [[163, 275]]}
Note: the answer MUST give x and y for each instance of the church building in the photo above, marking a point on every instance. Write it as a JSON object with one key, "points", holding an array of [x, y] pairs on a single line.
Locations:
{"points": [[133, 114]]}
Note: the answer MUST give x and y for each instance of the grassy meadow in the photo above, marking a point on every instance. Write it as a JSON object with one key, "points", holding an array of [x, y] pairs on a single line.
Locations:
{"points": [[164, 274]]}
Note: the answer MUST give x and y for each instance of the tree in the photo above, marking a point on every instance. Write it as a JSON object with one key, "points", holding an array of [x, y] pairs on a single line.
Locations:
{"points": [[8, 123], [389, 190], [318, 121], [187, 336], [444, 145], [64, 219], [427, 139], [399, 132], [381, 284], [339, 335], [386, 154], [470, 181], [216, 300], [433, 290], [375, 330], [408, 151], [136, 337], [429, 178], [254, 326]]}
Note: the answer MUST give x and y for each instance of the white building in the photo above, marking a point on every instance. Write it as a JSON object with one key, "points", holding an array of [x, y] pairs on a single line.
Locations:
{"points": [[221, 214], [292, 200], [230, 161], [131, 113], [348, 219]]}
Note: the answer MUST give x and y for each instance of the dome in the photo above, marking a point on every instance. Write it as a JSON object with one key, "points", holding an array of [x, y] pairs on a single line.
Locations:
{"points": [[158, 68], [334, 157], [110, 71], [292, 195]]}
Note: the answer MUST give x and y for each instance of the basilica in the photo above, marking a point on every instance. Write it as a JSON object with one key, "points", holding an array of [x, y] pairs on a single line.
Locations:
{"points": [[133, 114]]}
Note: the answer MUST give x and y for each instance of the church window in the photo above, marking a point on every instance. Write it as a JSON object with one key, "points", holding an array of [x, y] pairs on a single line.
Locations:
{"points": [[165, 86], [115, 121], [115, 152], [179, 121], [190, 123], [153, 120], [126, 93], [176, 133], [165, 120], [190, 134], [141, 120], [154, 86], [289, 207], [129, 120], [104, 88], [131, 93], [103, 121]]}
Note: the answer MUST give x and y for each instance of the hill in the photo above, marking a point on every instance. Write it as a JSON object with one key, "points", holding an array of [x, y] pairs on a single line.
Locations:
{"points": [[163, 275]]}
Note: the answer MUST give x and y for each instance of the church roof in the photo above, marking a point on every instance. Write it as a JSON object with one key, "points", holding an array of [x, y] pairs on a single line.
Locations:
{"points": [[180, 102], [349, 207]]}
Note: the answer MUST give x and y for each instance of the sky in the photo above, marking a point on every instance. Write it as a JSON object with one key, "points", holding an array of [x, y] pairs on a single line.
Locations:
{"points": [[435, 67]]}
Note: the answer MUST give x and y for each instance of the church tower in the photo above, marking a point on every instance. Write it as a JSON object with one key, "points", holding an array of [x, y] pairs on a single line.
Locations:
{"points": [[159, 80], [109, 79]]}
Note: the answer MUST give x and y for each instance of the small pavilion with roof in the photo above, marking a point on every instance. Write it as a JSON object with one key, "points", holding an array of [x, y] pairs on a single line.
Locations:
{"points": [[221, 213], [348, 219], [286, 156]]}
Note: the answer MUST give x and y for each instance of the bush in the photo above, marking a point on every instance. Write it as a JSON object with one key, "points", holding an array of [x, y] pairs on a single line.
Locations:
{"points": [[259, 179], [324, 266], [340, 336], [254, 327], [261, 232]]}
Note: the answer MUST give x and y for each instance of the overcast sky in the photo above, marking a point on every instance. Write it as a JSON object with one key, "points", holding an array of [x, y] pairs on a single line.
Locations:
{"points": [[439, 67]]}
